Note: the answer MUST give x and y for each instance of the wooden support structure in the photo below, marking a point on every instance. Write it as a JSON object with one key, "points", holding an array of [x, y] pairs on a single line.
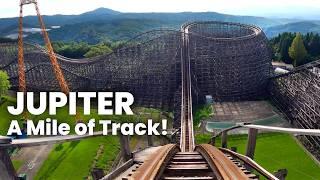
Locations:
{"points": [[119, 170], [97, 173], [7, 170], [125, 147], [150, 141], [281, 174], [6, 167], [139, 69], [252, 139], [224, 136], [213, 141]]}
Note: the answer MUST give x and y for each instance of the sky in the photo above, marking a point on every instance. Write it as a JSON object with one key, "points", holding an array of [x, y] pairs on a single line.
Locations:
{"points": [[277, 8]]}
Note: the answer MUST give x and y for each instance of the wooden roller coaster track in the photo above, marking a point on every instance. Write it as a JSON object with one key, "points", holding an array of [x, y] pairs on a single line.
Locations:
{"points": [[188, 161]]}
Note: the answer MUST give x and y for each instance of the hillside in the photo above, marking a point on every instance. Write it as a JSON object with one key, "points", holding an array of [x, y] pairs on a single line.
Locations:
{"points": [[103, 23], [302, 27], [94, 32]]}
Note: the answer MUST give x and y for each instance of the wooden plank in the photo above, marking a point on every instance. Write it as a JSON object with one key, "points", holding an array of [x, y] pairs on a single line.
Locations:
{"points": [[189, 167], [188, 178], [251, 145], [119, 170], [224, 143], [188, 162], [150, 141], [125, 147]]}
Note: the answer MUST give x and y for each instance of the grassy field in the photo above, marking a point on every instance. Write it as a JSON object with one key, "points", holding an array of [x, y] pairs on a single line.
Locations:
{"points": [[74, 160], [276, 151], [17, 164]]}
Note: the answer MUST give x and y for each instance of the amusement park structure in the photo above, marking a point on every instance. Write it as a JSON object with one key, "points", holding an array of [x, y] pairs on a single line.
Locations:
{"points": [[175, 70], [21, 64]]}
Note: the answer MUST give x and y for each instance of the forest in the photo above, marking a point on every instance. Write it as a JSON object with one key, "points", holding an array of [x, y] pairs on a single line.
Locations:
{"points": [[291, 48], [287, 47]]}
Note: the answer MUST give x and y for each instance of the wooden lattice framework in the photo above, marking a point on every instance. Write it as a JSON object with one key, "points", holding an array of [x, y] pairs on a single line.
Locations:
{"points": [[228, 61], [297, 95]]}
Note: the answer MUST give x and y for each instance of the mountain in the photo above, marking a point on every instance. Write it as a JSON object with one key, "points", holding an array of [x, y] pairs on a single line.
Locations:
{"points": [[302, 27], [94, 32], [101, 11], [103, 23]]}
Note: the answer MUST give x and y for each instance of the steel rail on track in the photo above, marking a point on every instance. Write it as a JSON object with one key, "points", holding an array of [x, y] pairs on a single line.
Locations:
{"points": [[251, 163], [310, 132], [295, 131], [220, 164], [153, 167], [187, 133]]}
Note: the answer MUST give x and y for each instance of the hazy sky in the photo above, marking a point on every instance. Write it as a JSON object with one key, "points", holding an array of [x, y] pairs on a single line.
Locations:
{"points": [[287, 8]]}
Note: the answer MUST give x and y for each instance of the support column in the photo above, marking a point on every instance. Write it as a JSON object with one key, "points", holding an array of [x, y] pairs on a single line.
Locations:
{"points": [[97, 173], [6, 167], [125, 147], [224, 143], [251, 145], [150, 141], [213, 141]]}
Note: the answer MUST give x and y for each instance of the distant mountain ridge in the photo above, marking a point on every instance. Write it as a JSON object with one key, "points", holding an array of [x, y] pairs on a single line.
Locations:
{"points": [[102, 24], [302, 27], [102, 11]]}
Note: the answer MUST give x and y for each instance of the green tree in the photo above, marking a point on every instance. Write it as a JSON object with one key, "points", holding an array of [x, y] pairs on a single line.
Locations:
{"points": [[98, 50], [314, 45], [297, 50], [71, 49], [284, 46], [4, 84], [118, 45]]}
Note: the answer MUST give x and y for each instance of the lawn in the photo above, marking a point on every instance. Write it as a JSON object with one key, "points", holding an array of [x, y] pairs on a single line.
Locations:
{"points": [[73, 160], [17, 164], [276, 151]]}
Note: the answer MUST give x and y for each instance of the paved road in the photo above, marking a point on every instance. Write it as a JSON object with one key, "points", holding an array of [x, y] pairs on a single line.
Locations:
{"points": [[33, 158]]}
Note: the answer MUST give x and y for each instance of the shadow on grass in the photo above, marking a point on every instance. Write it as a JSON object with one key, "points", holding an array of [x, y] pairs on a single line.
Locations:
{"points": [[56, 163]]}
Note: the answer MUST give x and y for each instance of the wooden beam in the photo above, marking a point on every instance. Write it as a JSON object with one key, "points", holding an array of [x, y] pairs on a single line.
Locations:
{"points": [[251, 145], [150, 141], [224, 143], [6, 167], [125, 147], [213, 141]]}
